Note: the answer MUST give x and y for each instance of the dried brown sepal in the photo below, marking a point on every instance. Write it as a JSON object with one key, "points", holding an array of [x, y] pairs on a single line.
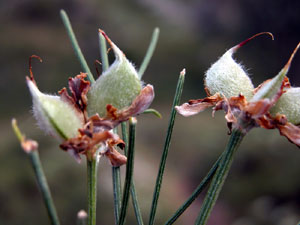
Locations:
{"points": [[79, 88], [289, 130], [139, 104], [196, 106], [86, 143], [116, 158], [114, 116]]}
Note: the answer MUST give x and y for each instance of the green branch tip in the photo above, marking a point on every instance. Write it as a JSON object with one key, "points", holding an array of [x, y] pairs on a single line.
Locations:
{"points": [[164, 156], [16, 129], [75, 45], [129, 170], [26, 144], [103, 51], [149, 53]]}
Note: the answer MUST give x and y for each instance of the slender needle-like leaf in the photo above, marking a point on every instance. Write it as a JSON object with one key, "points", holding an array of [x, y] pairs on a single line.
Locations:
{"points": [[103, 52], [92, 169], [196, 193], [39, 174], [166, 147], [75, 45], [116, 176], [129, 170], [134, 198], [219, 177], [149, 52]]}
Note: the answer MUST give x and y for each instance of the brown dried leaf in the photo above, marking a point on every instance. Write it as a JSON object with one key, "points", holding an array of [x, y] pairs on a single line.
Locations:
{"points": [[291, 132], [196, 106], [116, 158], [79, 88]]}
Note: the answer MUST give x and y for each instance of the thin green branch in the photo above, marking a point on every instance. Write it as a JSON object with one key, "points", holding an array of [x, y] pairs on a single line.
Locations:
{"points": [[92, 169], [103, 52], [166, 147], [129, 170], [116, 176], [195, 193], [42, 183], [75, 45], [134, 198], [149, 52], [219, 177], [30, 147]]}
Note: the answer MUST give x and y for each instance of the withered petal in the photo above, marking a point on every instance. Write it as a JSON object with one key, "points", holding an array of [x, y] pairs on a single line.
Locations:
{"points": [[79, 88], [139, 104], [196, 106], [114, 116], [259, 108], [291, 132], [116, 158]]}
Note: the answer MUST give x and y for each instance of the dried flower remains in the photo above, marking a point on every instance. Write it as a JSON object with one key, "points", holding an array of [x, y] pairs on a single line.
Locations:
{"points": [[273, 104], [84, 119]]}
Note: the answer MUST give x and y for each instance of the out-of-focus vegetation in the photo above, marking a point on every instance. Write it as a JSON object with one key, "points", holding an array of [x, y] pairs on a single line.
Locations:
{"points": [[263, 186]]}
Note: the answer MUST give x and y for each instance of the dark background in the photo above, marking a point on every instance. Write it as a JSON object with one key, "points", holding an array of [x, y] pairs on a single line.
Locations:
{"points": [[263, 186]]}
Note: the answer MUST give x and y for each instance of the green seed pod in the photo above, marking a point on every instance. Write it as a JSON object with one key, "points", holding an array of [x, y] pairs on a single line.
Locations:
{"points": [[54, 115], [118, 85], [228, 78], [289, 105]]}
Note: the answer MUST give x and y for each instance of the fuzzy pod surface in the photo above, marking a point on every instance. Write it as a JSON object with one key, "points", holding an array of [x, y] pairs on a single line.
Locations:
{"points": [[289, 105], [228, 78], [54, 116], [118, 85]]}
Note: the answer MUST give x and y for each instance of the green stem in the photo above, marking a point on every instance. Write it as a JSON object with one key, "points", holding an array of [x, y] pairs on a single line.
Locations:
{"points": [[38, 171], [219, 178], [92, 168], [117, 191], [129, 170], [133, 193], [75, 45], [166, 147], [43, 185], [103, 52], [149, 52], [196, 193]]}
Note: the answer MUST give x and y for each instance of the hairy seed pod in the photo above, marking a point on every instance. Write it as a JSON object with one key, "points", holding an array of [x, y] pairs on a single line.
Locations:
{"points": [[289, 105], [118, 85], [54, 115], [228, 78]]}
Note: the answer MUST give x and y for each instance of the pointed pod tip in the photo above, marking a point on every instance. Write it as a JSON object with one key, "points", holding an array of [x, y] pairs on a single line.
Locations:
{"points": [[288, 64], [235, 48], [105, 36], [30, 66]]}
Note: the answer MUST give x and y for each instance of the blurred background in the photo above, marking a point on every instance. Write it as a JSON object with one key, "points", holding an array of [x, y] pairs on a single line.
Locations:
{"points": [[263, 186]]}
